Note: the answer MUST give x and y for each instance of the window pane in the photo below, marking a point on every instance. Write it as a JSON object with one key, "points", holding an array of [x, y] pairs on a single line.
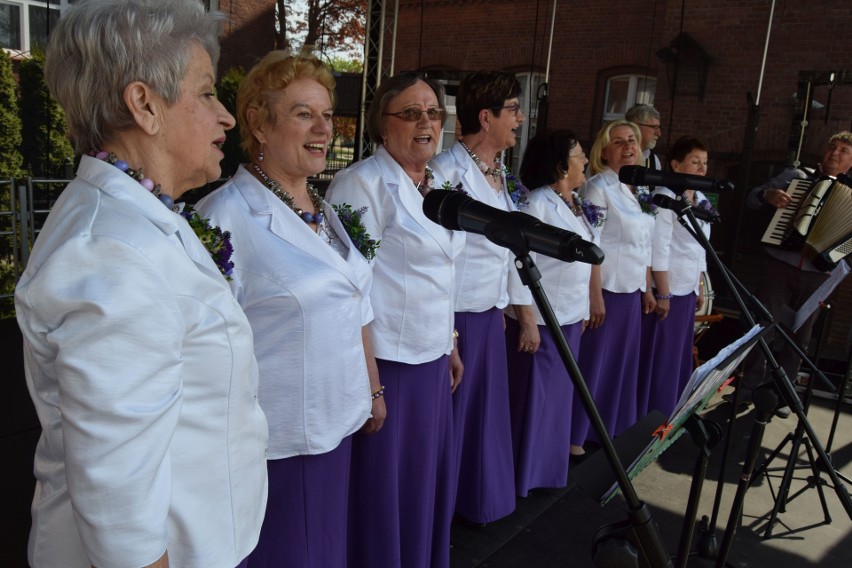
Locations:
{"points": [[646, 87], [616, 95], [42, 20], [10, 26]]}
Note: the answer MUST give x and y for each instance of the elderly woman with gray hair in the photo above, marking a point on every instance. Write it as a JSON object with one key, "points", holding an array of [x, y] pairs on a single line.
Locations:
{"points": [[403, 476], [139, 361]]}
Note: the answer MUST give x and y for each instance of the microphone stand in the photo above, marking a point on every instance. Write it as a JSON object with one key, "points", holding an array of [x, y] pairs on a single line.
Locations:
{"points": [[642, 532], [782, 382]]}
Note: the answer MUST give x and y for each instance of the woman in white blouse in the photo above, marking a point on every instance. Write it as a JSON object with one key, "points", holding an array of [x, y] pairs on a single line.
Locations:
{"points": [[403, 477], [489, 114], [678, 265], [138, 359], [540, 388], [609, 358], [305, 288]]}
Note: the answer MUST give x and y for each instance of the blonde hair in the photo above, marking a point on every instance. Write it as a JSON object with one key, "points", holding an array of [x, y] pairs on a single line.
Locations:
{"points": [[602, 140], [266, 82]]}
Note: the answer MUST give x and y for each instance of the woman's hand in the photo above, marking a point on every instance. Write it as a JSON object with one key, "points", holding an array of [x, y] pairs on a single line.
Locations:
{"points": [[649, 302], [377, 416], [662, 308], [529, 338], [456, 366]]}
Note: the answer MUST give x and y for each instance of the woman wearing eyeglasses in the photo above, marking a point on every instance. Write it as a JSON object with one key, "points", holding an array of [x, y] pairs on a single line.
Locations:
{"points": [[609, 358], [488, 111], [402, 477], [540, 386]]}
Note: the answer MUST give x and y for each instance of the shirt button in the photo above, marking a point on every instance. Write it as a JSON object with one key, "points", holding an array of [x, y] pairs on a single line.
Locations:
{"points": [[356, 296]]}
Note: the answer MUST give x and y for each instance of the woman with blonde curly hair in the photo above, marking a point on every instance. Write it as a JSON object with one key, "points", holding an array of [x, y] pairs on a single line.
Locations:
{"points": [[305, 287]]}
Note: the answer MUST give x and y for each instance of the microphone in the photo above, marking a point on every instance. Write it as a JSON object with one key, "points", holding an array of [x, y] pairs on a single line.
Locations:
{"points": [[679, 206], [511, 229], [640, 175]]}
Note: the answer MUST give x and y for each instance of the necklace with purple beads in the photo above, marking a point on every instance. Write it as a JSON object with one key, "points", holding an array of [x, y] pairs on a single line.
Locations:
{"points": [[147, 183], [276, 188]]}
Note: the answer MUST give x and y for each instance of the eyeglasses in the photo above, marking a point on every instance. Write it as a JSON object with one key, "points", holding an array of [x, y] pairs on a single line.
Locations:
{"points": [[414, 114], [655, 127], [581, 155], [513, 108]]}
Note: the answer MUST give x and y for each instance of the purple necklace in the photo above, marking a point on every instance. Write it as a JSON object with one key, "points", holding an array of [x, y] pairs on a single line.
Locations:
{"points": [[147, 183]]}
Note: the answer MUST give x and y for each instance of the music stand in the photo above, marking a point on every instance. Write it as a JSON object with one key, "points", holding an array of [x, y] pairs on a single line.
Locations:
{"points": [[763, 399], [705, 382]]}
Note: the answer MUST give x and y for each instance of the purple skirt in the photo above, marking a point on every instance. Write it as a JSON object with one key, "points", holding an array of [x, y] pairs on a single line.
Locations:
{"points": [[402, 481], [647, 347], [486, 481], [609, 361], [305, 522], [540, 396], [670, 362]]}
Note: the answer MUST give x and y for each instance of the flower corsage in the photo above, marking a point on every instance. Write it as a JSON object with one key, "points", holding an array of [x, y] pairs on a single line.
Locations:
{"points": [[351, 219], [517, 191], [448, 186], [643, 196], [707, 207], [594, 214], [215, 240]]}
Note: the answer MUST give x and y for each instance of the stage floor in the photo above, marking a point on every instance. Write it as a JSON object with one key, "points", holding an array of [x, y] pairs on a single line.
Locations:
{"points": [[555, 528]]}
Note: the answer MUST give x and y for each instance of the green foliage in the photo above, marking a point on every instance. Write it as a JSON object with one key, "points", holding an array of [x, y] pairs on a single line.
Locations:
{"points": [[10, 122], [345, 65], [227, 92], [45, 147]]}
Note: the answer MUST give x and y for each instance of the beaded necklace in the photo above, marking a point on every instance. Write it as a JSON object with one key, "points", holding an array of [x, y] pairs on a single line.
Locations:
{"points": [[494, 172], [428, 182], [276, 188], [147, 183], [572, 204]]}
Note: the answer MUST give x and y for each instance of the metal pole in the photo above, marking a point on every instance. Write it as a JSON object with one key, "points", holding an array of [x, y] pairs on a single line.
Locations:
{"points": [[550, 44], [765, 50]]}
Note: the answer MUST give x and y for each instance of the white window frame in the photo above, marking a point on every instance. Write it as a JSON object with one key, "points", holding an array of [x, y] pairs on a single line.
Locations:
{"points": [[24, 22], [634, 82]]}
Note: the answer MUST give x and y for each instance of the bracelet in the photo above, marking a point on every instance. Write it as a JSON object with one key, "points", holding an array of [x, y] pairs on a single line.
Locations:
{"points": [[455, 334], [378, 392], [663, 296]]}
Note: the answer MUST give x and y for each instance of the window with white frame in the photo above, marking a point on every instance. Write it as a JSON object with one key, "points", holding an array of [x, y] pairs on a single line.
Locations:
{"points": [[27, 23], [624, 91]]}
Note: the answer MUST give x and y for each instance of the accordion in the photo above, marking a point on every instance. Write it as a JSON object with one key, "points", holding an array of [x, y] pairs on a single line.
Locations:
{"points": [[817, 221]]}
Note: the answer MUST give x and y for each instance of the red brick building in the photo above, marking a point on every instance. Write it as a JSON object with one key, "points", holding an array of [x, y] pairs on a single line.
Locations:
{"points": [[604, 54]]}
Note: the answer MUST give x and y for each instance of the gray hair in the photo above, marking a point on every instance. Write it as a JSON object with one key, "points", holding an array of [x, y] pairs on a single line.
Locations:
{"points": [[100, 46], [641, 113]]}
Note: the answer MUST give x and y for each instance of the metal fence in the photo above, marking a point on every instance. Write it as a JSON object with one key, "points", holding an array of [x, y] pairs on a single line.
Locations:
{"points": [[25, 204]]}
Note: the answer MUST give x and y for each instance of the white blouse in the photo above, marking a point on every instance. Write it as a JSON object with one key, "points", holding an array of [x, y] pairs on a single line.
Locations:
{"points": [[676, 251], [141, 368], [306, 305], [626, 233], [413, 292], [565, 283], [485, 273]]}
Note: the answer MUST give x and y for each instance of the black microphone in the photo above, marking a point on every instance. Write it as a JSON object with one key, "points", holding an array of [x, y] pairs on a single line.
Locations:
{"points": [[511, 229], [640, 175], [679, 206]]}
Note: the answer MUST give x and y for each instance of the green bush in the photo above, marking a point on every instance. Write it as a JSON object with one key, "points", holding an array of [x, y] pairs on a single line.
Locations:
{"points": [[45, 147]]}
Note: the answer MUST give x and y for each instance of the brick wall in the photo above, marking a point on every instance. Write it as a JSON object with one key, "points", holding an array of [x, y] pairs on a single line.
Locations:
{"points": [[592, 38], [249, 33]]}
